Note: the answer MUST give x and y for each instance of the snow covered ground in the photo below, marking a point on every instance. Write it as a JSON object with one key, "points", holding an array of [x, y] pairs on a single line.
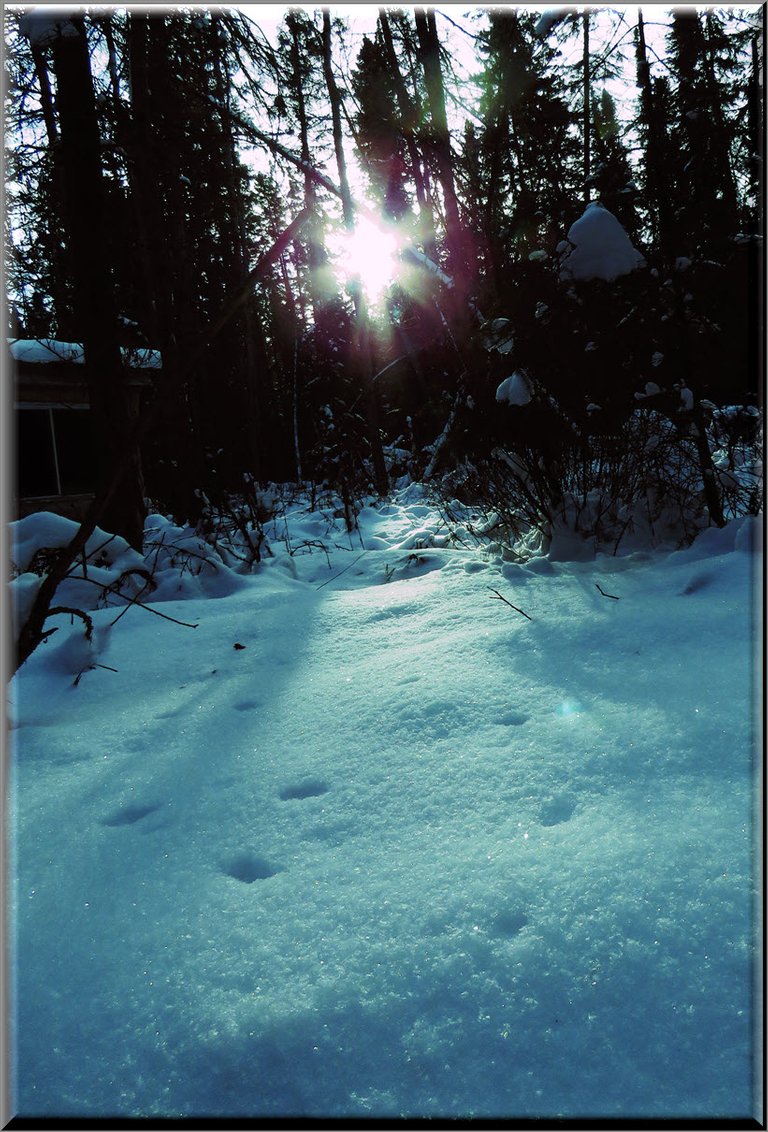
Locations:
{"points": [[368, 841]]}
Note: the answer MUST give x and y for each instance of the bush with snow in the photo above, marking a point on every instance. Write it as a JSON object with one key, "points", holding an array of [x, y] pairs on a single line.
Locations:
{"points": [[637, 488]]}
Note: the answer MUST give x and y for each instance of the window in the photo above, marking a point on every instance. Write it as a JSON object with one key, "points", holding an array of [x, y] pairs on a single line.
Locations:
{"points": [[54, 452]]}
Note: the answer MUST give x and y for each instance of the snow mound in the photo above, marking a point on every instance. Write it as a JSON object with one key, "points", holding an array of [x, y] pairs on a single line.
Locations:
{"points": [[601, 247]]}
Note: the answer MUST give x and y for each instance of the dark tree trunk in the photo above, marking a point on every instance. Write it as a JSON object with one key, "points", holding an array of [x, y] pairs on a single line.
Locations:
{"points": [[243, 407], [93, 284], [316, 258], [429, 53], [156, 191], [362, 352], [46, 97], [586, 107], [408, 117], [657, 176], [338, 144]]}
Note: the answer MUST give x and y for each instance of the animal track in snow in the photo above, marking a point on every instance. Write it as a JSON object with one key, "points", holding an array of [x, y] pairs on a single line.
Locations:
{"points": [[129, 815], [247, 867], [556, 810], [307, 788], [698, 582], [510, 922], [513, 719], [394, 610], [246, 705]]}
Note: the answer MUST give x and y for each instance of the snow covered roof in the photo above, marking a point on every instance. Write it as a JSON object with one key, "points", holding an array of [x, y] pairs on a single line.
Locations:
{"points": [[601, 247], [39, 351]]}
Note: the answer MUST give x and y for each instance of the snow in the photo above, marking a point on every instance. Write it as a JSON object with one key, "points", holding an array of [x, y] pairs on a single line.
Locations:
{"points": [[368, 842], [601, 247], [44, 350], [515, 389]]}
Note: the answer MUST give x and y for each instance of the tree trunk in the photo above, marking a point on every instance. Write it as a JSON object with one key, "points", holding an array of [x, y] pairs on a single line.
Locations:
{"points": [[110, 409], [586, 109], [156, 191], [362, 353], [315, 252], [659, 196], [408, 116], [46, 97], [338, 143], [429, 52]]}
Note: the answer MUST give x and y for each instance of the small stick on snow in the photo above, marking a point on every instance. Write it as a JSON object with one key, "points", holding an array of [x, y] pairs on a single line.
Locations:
{"points": [[509, 603], [611, 596], [135, 601], [335, 576]]}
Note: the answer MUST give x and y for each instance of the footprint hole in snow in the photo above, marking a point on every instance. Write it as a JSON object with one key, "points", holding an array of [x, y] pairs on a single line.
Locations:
{"points": [[513, 719], [129, 815], [556, 811], [699, 582], [509, 923], [247, 867], [307, 788]]}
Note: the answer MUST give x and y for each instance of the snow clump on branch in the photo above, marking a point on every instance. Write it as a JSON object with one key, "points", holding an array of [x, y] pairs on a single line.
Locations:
{"points": [[601, 249], [515, 390]]}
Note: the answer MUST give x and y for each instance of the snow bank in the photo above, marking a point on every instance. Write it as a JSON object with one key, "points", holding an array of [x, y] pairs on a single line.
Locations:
{"points": [[601, 248]]}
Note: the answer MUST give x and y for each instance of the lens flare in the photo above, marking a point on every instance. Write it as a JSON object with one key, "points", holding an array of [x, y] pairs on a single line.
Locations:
{"points": [[368, 254]]}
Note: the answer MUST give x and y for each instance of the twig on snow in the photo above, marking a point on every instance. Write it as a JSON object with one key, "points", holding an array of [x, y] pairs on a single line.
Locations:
{"points": [[509, 603], [611, 596], [135, 601], [335, 576]]}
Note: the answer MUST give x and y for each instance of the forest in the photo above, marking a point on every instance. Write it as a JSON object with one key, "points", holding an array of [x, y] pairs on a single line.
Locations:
{"points": [[342, 246]]}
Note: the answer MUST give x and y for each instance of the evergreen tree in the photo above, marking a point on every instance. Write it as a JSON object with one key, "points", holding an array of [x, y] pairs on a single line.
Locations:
{"points": [[379, 131], [612, 176], [707, 216], [526, 148]]}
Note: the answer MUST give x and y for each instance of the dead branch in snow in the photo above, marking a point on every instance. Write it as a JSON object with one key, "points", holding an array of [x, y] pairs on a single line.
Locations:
{"points": [[509, 603], [73, 613], [611, 596]]}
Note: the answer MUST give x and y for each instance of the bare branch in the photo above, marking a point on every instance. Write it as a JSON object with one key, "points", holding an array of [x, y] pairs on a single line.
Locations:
{"points": [[509, 603]]}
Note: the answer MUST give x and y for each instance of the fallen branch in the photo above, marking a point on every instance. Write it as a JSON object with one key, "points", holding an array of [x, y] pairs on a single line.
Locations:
{"points": [[509, 603], [611, 596]]}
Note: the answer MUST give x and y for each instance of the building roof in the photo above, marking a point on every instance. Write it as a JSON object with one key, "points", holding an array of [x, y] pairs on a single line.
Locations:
{"points": [[42, 351]]}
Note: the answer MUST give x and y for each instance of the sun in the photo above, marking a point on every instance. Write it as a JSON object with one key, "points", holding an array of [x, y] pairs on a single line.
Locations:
{"points": [[369, 254]]}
